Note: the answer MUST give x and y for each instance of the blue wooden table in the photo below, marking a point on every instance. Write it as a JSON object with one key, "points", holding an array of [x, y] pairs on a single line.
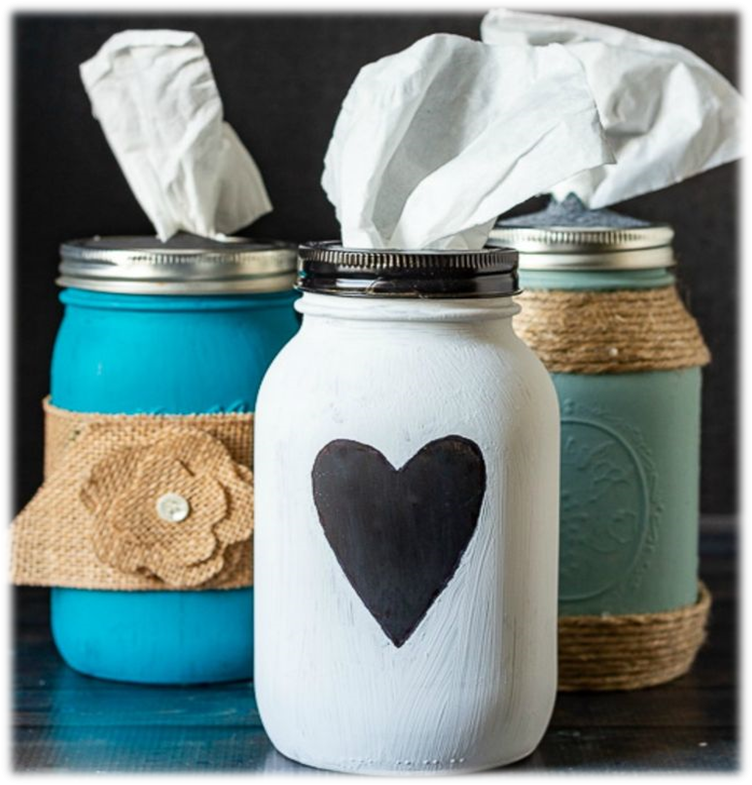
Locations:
{"points": [[66, 722]]}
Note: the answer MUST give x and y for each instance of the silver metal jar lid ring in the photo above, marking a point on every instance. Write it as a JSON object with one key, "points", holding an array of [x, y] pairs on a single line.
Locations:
{"points": [[185, 264], [568, 236]]}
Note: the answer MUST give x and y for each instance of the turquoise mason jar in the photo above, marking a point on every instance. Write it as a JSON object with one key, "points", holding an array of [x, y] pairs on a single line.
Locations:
{"points": [[600, 307], [179, 328]]}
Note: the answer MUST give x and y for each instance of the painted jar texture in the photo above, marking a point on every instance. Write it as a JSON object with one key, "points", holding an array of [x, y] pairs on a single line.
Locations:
{"points": [[192, 347], [406, 520], [630, 472], [630, 416]]}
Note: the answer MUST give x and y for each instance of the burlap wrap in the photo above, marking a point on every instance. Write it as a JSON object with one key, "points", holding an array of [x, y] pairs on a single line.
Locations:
{"points": [[95, 521], [619, 331]]}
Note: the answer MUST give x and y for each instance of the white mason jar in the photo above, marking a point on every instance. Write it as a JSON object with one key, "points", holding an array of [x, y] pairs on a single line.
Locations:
{"points": [[406, 519]]}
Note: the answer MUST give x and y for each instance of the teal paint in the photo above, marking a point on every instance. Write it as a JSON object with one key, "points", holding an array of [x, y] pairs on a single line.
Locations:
{"points": [[124, 353], [629, 475], [175, 637], [629, 498]]}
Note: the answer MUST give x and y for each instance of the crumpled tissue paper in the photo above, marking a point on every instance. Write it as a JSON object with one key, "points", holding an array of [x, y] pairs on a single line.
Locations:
{"points": [[668, 115], [154, 94], [433, 143]]}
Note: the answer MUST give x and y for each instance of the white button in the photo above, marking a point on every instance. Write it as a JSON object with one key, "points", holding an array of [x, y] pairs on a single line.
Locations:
{"points": [[173, 507]]}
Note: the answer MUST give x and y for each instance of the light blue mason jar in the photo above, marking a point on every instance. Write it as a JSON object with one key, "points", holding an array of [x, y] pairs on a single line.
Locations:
{"points": [[185, 327], [600, 308]]}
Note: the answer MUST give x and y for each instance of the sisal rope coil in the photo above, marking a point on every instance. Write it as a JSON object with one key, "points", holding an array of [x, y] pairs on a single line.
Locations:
{"points": [[96, 521], [619, 331], [630, 651]]}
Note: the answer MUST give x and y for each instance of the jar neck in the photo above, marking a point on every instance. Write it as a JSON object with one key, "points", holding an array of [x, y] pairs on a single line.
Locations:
{"points": [[597, 279], [405, 309], [84, 298]]}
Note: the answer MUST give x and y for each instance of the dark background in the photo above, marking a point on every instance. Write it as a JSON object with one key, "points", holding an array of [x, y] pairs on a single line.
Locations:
{"points": [[282, 79]]}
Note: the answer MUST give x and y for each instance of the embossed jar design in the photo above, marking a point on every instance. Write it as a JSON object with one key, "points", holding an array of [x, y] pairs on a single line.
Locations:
{"points": [[601, 309], [150, 331], [406, 519]]}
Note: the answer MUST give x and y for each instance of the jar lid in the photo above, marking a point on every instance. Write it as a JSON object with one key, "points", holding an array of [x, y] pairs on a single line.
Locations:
{"points": [[329, 268], [568, 236], [185, 264]]}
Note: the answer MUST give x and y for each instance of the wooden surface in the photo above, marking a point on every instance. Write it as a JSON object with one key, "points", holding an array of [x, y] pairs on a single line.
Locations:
{"points": [[67, 722]]}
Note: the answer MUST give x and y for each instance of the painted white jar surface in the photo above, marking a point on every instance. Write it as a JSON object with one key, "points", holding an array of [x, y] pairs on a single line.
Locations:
{"points": [[406, 519]]}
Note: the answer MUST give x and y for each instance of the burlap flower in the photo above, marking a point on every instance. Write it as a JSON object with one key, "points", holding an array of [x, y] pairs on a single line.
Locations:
{"points": [[171, 509]]}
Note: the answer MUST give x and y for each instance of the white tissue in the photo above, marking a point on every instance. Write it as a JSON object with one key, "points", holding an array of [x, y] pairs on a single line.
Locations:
{"points": [[433, 143], [154, 94], [668, 115]]}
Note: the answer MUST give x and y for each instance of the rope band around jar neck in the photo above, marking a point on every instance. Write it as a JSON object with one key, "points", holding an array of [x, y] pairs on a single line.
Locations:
{"points": [[622, 331]]}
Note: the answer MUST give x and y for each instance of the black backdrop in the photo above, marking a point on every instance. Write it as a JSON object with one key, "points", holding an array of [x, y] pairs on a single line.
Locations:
{"points": [[282, 78]]}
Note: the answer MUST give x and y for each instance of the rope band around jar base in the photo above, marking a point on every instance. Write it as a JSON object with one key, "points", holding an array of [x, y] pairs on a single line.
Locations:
{"points": [[631, 651], [139, 502]]}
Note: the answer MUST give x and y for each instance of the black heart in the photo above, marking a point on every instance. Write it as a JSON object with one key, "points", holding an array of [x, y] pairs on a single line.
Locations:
{"points": [[399, 534]]}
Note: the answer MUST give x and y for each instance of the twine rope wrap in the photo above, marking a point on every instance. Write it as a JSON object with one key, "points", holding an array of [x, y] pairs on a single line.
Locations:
{"points": [[106, 515], [619, 331], [609, 332], [630, 651]]}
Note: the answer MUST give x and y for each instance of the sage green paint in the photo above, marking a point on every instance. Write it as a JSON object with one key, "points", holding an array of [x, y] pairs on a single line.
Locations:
{"points": [[595, 280], [630, 476]]}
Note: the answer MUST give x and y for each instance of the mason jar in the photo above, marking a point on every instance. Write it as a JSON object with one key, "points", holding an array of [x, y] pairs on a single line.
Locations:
{"points": [[180, 328], [601, 308], [406, 518]]}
